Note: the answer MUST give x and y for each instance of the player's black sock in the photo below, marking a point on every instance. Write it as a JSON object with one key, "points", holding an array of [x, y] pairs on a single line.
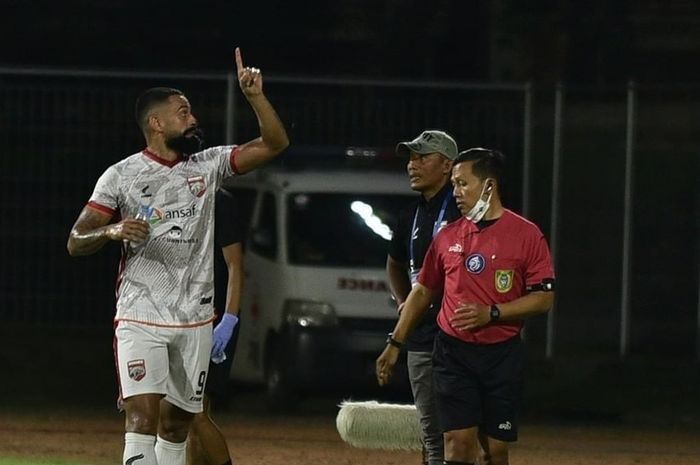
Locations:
{"points": [[452, 462]]}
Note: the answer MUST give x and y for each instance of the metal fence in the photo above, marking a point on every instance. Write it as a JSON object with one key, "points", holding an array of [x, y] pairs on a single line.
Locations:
{"points": [[60, 129], [626, 215]]}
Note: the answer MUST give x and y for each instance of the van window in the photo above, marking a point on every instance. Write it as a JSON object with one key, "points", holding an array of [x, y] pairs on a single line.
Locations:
{"points": [[342, 230], [263, 238]]}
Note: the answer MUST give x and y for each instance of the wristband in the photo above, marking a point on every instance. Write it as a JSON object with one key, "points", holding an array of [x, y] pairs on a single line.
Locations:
{"points": [[393, 342]]}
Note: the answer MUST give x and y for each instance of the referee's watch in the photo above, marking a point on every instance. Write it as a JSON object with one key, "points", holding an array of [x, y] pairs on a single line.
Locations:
{"points": [[495, 313], [393, 342]]}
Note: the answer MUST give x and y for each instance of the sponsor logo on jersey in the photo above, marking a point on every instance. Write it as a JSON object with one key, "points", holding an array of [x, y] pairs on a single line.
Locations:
{"points": [[504, 280], [181, 213], [352, 284], [155, 216], [197, 185], [196, 398], [175, 236], [455, 248], [475, 263], [175, 232], [136, 369]]}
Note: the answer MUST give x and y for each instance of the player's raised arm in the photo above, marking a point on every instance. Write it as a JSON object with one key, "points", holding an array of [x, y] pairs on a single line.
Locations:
{"points": [[273, 137]]}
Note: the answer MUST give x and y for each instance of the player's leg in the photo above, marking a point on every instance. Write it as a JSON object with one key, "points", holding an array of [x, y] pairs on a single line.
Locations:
{"points": [[502, 393], [206, 444], [141, 359], [420, 373], [141, 424], [195, 453], [188, 352], [172, 434]]}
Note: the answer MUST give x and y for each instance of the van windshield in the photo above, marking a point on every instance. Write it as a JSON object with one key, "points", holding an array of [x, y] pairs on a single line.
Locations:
{"points": [[343, 230]]}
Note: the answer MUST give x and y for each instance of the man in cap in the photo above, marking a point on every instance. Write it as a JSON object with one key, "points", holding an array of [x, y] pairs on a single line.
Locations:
{"points": [[430, 157]]}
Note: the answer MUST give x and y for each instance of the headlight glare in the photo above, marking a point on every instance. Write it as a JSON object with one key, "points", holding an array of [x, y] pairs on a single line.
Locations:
{"points": [[309, 314]]}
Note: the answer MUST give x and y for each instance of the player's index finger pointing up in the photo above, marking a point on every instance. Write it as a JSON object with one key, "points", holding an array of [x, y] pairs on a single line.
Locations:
{"points": [[239, 60]]}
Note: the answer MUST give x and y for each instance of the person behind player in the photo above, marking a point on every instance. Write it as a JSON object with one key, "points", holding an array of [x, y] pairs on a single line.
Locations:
{"points": [[429, 167], [206, 444], [164, 196], [496, 269]]}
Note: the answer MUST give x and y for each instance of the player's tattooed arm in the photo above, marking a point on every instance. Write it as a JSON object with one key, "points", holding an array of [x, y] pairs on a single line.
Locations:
{"points": [[92, 231]]}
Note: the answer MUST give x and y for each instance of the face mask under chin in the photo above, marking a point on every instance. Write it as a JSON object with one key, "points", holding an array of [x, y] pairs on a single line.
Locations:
{"points": [[479, 209], [188, 143]]}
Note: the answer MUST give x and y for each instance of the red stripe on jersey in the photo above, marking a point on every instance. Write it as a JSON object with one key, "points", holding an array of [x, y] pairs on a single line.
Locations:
{"points": [[101, 208], [232, 158], [162, 161], [158, 325], [116, 366], [120, 271]]}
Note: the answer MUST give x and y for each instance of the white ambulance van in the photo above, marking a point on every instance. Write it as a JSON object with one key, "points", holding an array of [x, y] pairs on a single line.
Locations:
{"points": [[316, 306]]}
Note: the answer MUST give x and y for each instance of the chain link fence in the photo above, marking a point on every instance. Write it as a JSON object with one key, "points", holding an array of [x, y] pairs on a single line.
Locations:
{"points": [[60, 129]]}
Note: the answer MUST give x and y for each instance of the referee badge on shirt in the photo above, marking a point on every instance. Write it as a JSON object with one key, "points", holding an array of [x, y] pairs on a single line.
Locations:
{"points": [[504, 280], [475, 263], [197, 185]]}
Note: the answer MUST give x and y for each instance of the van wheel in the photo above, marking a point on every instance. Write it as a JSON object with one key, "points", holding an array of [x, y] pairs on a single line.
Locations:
{"points": [[281, 395]]}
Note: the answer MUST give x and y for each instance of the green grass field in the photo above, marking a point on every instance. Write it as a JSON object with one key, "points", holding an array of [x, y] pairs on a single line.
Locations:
{"points": [[59, 410], [44, 461]]}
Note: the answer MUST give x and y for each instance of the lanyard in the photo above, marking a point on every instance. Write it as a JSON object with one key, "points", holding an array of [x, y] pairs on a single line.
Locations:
{"points": [[436, 226]]}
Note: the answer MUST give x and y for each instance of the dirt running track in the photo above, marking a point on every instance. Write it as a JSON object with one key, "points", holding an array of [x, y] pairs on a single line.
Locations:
{"points": [[259, 439]]}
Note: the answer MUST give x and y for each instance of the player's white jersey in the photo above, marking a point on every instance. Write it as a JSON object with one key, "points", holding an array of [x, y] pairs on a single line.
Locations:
{"points": [[168, 279]]}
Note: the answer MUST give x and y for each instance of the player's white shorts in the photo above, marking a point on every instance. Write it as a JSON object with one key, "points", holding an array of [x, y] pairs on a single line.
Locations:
{"points": [[164, 360]]}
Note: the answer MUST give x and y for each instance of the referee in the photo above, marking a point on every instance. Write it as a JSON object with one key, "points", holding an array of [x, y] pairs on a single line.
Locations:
{"points": [[496, 270]]}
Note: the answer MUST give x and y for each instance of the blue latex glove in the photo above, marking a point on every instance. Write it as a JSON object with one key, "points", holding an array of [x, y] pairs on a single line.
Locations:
{"points": [[222, 334]]}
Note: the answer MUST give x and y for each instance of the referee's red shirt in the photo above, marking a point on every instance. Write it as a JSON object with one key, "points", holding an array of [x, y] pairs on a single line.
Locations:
{"points": [[488, 266]]}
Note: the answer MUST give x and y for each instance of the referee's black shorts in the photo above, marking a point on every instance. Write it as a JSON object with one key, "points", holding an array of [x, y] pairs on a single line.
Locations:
{"points": [[478, 385]]}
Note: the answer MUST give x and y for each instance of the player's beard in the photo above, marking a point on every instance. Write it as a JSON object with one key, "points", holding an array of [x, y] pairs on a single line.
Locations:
{"points": [[189, 142]]}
